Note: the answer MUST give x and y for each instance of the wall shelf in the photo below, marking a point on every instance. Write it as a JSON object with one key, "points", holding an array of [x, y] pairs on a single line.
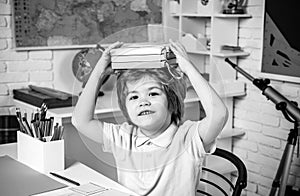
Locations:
{"points": [[226, 89], [231, 54], [203, 52], [232, 16], [195, 15], [220, 29]]}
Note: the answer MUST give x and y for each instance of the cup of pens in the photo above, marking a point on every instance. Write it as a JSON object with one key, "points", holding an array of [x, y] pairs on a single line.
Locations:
{"points": [[40, 142]]}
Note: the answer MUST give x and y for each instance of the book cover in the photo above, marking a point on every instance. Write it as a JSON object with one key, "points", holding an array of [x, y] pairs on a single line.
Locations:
{"points": [[138, 50], [143, 64], [20, 179]]}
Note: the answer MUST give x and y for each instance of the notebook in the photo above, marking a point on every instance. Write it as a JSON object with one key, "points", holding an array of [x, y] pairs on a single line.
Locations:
{"points": [[19, 179], [92, 189]]}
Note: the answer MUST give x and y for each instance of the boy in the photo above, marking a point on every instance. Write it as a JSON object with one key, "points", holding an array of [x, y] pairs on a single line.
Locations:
{"points": [[155, 152]]}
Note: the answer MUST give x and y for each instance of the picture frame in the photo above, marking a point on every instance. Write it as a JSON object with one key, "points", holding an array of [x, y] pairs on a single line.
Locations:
{"points": [[44, 24], [280, 41]]}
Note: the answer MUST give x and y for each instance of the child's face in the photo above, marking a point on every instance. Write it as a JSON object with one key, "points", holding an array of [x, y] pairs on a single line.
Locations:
{"points": [[147, 106]]}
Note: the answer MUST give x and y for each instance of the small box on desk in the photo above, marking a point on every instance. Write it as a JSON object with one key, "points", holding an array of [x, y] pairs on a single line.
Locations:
{"points": [[42, 156]]}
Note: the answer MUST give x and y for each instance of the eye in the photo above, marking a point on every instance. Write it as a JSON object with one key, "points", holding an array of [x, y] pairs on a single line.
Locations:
{"points": [[151, 94], [133, 97]]}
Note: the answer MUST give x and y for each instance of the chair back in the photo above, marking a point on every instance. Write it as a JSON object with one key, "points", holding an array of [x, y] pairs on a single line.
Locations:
{"points": [[215, 182]]}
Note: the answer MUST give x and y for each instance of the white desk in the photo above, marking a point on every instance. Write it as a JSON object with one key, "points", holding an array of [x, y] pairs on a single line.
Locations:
{"points": [[83, 174], [76, 171]]}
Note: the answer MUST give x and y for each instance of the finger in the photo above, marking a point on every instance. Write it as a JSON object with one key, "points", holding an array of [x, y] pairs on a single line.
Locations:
{"points": [[181, 46], [175, 45], [108, 70], [176, 49], [113, 46]]}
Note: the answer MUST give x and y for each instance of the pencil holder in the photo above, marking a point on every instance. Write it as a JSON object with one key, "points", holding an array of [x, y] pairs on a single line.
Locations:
{"points": [[42, 156]]}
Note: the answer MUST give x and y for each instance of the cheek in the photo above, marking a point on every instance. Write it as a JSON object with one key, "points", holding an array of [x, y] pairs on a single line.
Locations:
{"points": [[162, 104], [129, 108]]}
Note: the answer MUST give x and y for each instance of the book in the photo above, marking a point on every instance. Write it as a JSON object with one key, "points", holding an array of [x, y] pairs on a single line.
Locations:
{"points": [[139, 49], [88, 189], [141, 56], [95, 189], [20, 179], [232, 48], [144, 64], [135, 58]]}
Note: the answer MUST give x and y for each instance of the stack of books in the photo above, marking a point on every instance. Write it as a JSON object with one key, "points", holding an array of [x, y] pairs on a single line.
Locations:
{"points": [[139, 56]]}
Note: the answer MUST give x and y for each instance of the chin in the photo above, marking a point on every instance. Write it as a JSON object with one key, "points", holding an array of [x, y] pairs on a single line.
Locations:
{"points": [[148, 125]]}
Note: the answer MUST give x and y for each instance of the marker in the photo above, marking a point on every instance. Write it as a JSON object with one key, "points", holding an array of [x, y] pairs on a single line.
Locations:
{"points": [[64, 178]]}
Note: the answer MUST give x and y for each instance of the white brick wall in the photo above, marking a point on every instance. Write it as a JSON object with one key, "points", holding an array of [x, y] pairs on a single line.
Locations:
{"points": [[266, 128], [18, 69]]}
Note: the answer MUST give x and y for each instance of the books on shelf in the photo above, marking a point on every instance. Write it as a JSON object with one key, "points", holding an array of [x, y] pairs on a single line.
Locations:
{"points": [[231, 48]]}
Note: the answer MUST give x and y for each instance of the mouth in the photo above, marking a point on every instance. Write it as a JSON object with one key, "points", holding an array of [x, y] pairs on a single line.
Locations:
{"points": [[145, 112]]}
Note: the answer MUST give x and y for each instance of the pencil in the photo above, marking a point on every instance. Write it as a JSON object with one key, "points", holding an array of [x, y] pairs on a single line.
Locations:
{"points": [[65, 178]]}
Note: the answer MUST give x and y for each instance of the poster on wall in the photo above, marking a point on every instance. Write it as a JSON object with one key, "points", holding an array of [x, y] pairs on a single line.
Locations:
{"points": [[70, 23], [281, 40]]}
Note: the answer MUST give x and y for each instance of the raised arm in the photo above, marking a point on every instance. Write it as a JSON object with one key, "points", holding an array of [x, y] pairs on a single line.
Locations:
{"points": [[83, 114], [215, 110]]}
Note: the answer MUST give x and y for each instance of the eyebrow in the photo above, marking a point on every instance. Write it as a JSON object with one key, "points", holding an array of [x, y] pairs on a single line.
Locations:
{"points": [[149, 89]]}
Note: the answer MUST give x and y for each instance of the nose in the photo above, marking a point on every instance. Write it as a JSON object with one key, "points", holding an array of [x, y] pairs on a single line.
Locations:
{"points": [[144, 102]]}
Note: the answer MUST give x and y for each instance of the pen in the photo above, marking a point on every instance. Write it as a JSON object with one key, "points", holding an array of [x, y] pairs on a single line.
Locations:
{"points": [[64, 178], [27, 127], [19, 118]]}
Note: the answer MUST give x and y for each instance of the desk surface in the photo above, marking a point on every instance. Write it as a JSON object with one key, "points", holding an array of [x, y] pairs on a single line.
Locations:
{"points": [[75, 171], [83, 174]]}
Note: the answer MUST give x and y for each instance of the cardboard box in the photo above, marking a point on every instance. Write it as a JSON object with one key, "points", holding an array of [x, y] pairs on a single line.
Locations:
{"points": [[42, 156]]}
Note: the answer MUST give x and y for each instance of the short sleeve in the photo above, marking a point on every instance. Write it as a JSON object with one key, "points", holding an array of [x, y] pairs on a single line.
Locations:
{"points": [[116, 137], [193, 141], [108, 135]]}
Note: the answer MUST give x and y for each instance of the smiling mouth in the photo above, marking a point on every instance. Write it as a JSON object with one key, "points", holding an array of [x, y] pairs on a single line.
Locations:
{"points": [[146, 112]]}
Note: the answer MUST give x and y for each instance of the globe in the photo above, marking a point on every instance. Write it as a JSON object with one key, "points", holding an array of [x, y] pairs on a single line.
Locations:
{"points": [[84, 62]]}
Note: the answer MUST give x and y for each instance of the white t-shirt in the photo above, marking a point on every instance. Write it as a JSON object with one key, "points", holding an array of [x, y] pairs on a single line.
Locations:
{"points": [[167, 165]]}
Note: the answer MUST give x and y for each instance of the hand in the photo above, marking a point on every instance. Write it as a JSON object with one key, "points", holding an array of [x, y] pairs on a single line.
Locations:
{"points": [[181, 55], [105, 59]]}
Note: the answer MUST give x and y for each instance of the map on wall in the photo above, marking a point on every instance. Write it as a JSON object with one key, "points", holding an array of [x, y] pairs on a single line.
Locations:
{"points": [[281, 45], [48, 23]]}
